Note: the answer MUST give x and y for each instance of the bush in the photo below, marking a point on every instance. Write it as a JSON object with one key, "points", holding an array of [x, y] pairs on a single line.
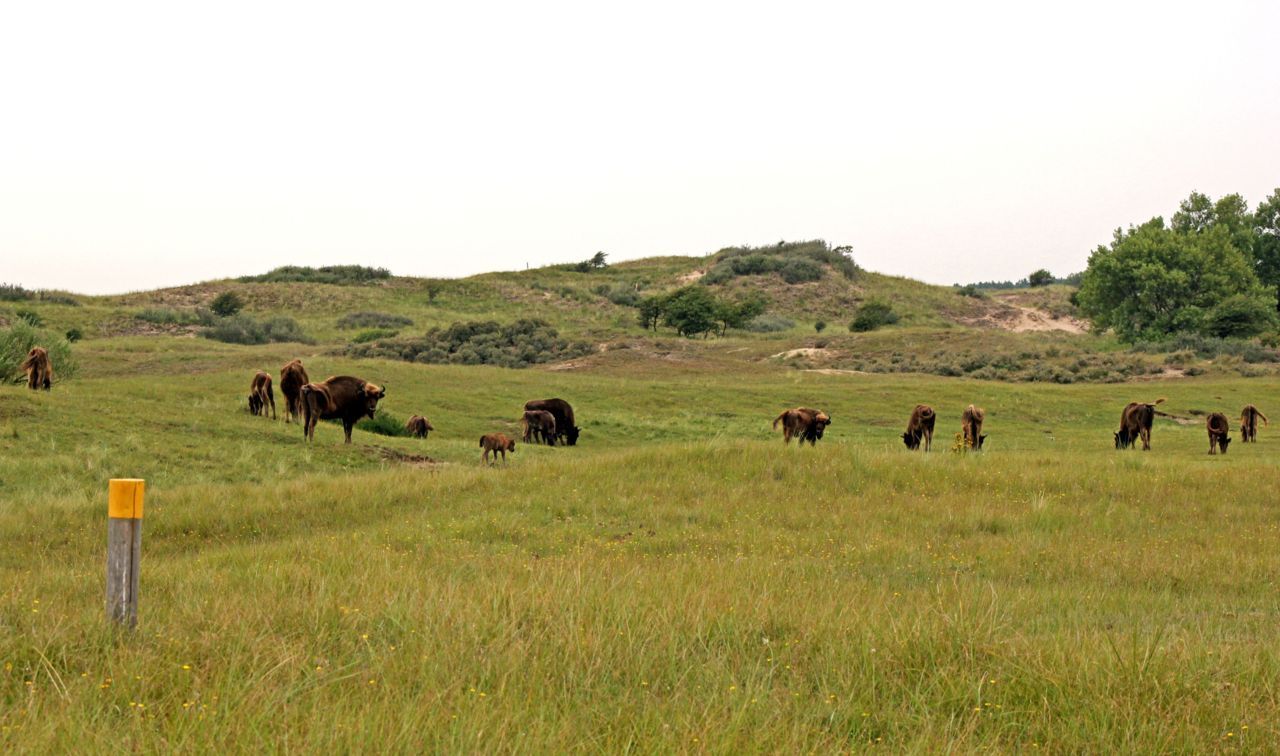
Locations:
{"points": [[384, 424], [1239, 316], [873, 314], [820, 326], [30, 317], [226, 304], [18, 339], [769, 324], [800, 271], [520, 344], [56, 297], [169, 316], [14, 293], [74, 335], [796, 262], [1040, 277], [243, 329], [373, 334], [281, 329], [354, 320], [969, 290], [340, 275]]}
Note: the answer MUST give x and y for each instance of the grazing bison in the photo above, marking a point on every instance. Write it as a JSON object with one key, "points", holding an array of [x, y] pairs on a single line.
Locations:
{"points": [[496, 443], [920, 427], [1249, 423], [1219, 432], [418, 426], [539, 425], [261, 395], [566, 430], [38, 369], [292, 378], [340, 397], [808, 424], [971, 427], [1135, 423]]}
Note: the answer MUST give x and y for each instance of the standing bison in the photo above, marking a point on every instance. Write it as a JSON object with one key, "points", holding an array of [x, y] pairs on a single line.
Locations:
{"points": [[261, 395], [565, 429], [1219, 432], [1135, 423], [38, 369], [341, 397], [1249, 423], [808, 424], [539, 425], [292, 378], [920, 428], [971, 425], [495, 444], [418, 426]]}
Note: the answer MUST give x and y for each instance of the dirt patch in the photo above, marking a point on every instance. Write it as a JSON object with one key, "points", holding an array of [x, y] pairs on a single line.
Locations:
{"points": [[812, 353], [413, 460], [1022, 319], [835, 371], [691, 277]]}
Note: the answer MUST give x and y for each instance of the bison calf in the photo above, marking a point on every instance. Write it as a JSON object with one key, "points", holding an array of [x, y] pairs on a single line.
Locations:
{"points": [[1249, 423], [971, 425], [496, 443], [1135, 423], [38, 369], [920, 427], [539, 425], [1219, 432], [803, 422], [292, 378], [418, 426]]}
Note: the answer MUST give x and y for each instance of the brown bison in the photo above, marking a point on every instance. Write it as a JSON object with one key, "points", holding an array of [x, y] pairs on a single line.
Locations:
{"points": [[539, 425], [261, 395], [1135, 423], [808, 424], [1249, 423], [340, 397], [1219, 432], [971, 425], [292, 378], [496, 443], [418, 426], [38, 369], [920, 428], [567, 430]]}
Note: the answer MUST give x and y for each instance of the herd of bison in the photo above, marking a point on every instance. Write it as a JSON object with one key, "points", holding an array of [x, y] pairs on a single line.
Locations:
{"points": [[551, 421]]}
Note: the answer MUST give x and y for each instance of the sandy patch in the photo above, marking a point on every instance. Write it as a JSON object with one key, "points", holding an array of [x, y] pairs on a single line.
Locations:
{"points": [[689, 278], [809, 352], [1020, 319]]}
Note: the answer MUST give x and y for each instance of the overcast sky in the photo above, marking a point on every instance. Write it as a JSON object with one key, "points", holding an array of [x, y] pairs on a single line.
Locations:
{"points": [[151, 144]]}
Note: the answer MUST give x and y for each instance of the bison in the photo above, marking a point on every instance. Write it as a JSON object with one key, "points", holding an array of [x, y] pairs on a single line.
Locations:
{"points": [[340, 397], [539, 425], [261, 395], [971, 426], [1249, 423], [920, 427], [808, 424], [1219, 432], [38, 369], [292, 378], [418, 426], [496, 443], [566, 430], [1135, 423]]}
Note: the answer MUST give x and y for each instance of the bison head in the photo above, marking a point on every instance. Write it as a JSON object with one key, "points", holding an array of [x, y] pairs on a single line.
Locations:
{"points": [[1222, 443], [371, 393], [912, 440], [255, 404], [511, 444], [980, 440], [571, 435], [1122, 439]]}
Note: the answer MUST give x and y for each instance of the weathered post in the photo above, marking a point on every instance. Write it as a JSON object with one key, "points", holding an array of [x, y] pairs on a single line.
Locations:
{"points": [[124, 549]]}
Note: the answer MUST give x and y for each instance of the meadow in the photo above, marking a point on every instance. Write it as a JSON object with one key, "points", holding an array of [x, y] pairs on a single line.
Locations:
{"points": [[679, 581]]}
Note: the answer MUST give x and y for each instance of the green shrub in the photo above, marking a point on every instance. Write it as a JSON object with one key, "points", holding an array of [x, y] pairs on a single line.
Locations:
{"points": [[57, 297], [226, 304], [243, 329], [18, 339], [30, 317], [169, 316], [519, 344], [354, 320], [73, 335], [769, 324], [373, 334], [383, 423], [341, 275], [796, 262], [820, 326], [283, 329], [873, 314], [14, 293], [969, 290], [1240, 316], [800, 271]]}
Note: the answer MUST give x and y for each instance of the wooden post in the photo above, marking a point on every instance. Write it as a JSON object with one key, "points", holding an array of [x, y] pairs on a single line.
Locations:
{"points": [[124, 549]]}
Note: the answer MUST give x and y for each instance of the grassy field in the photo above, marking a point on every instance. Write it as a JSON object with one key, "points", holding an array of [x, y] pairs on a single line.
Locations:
{"points": [[680, 581]]}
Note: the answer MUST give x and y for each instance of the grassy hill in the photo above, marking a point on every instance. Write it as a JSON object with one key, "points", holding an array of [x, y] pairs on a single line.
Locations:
{"points": [[680, 580]]}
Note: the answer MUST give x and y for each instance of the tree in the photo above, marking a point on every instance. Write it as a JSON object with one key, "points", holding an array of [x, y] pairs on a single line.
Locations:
{"points": [[1240, 316], [226, 304], [651, 309], [1040, 277], [1154, 281], [597, 260], [872, 314], [737, 314], [1266, 244], [691, 311], [820, 326]]}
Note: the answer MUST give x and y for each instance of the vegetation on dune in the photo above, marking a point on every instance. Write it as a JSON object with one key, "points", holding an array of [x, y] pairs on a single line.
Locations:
{"points": [[245, 329], [873, 314], [794, 262], [341, 275], [520, 344], [18, 339], [354, 320]]}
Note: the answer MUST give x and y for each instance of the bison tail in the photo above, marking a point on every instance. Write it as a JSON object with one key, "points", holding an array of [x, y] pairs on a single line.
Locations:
{"points": [[482, 442], [1161, 400], [778, 419], [1264, 417]]}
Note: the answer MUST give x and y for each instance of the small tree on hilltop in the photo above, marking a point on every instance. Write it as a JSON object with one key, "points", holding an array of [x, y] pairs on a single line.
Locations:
{"points": [[1041, 277], [226, 304], [598, 260]]}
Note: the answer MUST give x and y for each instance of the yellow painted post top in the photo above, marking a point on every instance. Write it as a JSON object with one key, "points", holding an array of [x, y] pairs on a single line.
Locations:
{"points": [[124, 498]]}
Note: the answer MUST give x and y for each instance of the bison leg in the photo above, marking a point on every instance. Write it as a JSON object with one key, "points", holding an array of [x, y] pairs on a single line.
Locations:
{"points": [[928, 439], [271, 396], [346, 428]]}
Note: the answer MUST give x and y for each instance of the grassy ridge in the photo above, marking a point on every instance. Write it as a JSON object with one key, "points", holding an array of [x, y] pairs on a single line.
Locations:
{"points": [[680, 581]]}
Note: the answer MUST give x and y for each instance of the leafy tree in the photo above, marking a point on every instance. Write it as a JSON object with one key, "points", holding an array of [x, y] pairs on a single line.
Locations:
{"points": [[820, 326], [1266, 244], [651, 309], [226, 304], [738, 314], [873, 314], [691, 311], [1040, 277], [598, 260], [1240, 316], [1155, 281]]}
